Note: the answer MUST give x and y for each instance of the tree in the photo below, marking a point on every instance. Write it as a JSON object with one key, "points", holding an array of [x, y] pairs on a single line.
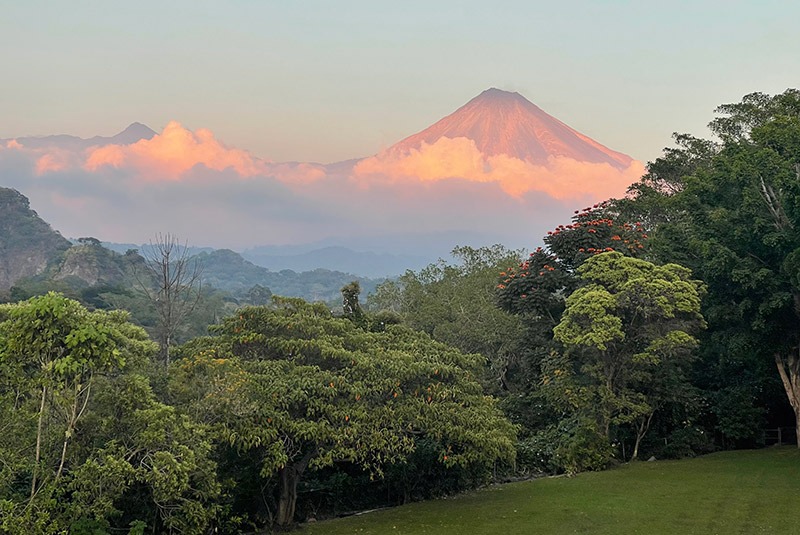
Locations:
{"points": [[536, 290], [259, 295], [83, 441], [730, 217], [171, 281], [299, 389], [88, 240], [629, 323], [540, 291], [666, 174], [654, 202], [53, 346], [737, 121], [147, 463], [538, 287], [351, 308], [455, 303], [744, 211]]}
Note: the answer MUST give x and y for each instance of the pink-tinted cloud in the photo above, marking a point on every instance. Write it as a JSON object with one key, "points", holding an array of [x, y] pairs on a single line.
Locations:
{"points": [[191, 184], [53, 161], [173, 152], [168, 156], [562, 178], [447, 158]]}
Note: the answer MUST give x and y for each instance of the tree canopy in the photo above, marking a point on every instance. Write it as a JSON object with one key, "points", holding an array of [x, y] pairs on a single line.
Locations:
{"points": [[629, 330], [301, 389], [79, 436], [733, 219]]}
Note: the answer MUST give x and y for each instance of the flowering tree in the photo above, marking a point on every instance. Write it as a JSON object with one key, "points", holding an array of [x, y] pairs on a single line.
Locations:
{"points": [[538, 286], [555, 290]]}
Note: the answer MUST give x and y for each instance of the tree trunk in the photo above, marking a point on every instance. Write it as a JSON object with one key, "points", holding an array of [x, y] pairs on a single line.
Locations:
{"points": [[608, 407], [290, 475], [606, 402], [288, 496], [167, 342], [644, 426], [39, 426], [797, 427], [73, 419], [789, 370]]}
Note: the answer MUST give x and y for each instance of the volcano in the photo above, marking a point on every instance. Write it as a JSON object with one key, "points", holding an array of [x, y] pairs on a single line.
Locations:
{"points": [[505, 123]]}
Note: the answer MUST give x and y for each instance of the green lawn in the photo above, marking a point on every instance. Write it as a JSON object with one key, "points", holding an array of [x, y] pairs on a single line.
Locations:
{"points": [[730, 492]]}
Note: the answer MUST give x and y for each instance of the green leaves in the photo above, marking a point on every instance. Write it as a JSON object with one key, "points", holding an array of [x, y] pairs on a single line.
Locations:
{"points": [[590, 319], [629, 324], [81, 432], [64, 338], [297, 387]]}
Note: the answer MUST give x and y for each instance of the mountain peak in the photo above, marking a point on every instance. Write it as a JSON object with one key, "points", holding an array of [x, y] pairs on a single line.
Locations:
{"points": [[137, 127], [494, 93], [133, 133], [505, 122]]}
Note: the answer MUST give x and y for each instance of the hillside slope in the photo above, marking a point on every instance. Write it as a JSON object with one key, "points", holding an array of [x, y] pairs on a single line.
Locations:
{"points": [[28, 245]]}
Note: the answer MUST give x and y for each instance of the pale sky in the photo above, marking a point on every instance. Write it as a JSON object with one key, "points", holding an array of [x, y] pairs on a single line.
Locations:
{"points": [[326, 81]]}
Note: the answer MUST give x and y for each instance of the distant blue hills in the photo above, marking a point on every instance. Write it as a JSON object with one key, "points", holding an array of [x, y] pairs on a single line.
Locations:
{"points": [[371, 257]]}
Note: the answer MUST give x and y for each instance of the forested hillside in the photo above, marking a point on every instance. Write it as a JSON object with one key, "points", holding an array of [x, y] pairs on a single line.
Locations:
{"points": [[27, 244], [227, 270]]}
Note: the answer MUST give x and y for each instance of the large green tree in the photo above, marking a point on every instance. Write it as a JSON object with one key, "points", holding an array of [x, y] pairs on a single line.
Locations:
{"points": [[733, 217], [746, 210], [628, 331], [297, 388], [539, 292], [456, 303], [51, 349], [83, 441]]}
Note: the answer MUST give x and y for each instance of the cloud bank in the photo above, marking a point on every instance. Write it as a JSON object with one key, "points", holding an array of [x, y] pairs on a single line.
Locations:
{"points": [[172, 153], [561, 178], [191, 184]]}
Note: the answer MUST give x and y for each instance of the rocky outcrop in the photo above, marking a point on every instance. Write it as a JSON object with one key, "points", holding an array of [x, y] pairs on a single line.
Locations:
{"points": [[28, 245], [91, 264]]}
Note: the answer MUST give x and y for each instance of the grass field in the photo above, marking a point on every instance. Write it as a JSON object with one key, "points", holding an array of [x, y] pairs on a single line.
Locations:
{"points": [[723, 493]]}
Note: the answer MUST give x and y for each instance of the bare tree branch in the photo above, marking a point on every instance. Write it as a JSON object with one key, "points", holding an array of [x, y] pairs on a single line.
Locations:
{"points": [[172, 282], [774, 206]]}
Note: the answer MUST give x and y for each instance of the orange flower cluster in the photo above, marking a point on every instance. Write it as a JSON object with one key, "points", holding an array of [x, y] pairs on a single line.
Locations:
{"points": [[593, 231], [594, 250], [524, 269], [630, 235]]}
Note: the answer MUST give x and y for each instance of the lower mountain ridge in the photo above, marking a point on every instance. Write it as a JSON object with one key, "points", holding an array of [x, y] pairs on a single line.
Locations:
{"points": [[34, 259]]}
